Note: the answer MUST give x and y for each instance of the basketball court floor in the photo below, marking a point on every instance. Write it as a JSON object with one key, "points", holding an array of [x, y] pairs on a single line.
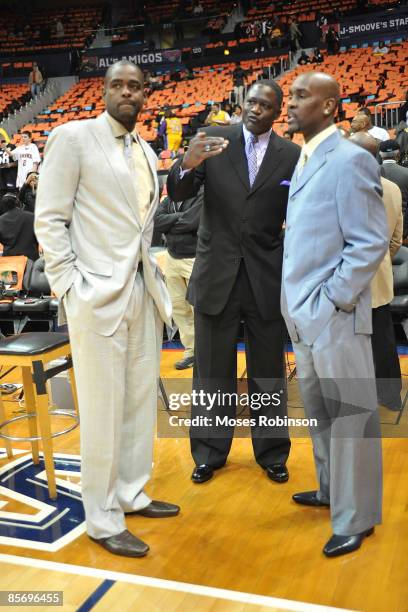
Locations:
{"points": [[239, 544]]}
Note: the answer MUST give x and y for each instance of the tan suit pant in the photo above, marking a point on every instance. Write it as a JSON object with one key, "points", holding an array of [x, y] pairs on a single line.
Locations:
{"points": [[178, 272], [117, 379]]}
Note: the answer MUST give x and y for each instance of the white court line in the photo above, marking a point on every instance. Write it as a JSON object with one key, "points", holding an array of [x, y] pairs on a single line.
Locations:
{"points": [[172, 585]]}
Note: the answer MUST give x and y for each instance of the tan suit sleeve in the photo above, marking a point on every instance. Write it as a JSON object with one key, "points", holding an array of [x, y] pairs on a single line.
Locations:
{"points": [[54, 207], [396, 238]]}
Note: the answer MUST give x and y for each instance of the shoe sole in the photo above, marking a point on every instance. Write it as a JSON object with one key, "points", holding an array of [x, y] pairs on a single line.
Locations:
{"points": [[202, 480], [137, 513]]}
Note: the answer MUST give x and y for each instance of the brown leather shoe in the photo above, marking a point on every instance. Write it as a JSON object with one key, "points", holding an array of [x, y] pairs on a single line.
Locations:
{"points": [[158, 509], [124, 544]]}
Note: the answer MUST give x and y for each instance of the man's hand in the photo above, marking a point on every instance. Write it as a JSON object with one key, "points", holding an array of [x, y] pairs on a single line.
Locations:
{"points": [[201, 148]]}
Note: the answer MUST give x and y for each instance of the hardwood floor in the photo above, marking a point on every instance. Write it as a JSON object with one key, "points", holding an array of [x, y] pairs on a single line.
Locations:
{"points": [[239, 532]]}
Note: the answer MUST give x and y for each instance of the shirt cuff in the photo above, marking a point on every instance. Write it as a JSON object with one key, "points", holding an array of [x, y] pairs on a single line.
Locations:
{"points": [[184, 172]]}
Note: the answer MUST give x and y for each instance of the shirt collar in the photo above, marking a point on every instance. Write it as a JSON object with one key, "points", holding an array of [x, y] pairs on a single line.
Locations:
{"points": [[389, 161], [309, 147], [119, 130], [262, 138]]}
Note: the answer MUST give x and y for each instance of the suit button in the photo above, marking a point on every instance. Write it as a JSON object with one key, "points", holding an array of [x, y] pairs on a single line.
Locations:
{"points": [[286, 255], [293, 198], [287, 228]]}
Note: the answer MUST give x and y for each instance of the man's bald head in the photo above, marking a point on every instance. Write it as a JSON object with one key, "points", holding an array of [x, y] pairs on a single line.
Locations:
{"points": [[313, 101], [323, 83], [365, 141]]}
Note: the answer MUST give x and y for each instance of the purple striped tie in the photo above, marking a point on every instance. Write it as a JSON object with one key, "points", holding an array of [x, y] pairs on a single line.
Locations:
{"points": [[251, 157]]}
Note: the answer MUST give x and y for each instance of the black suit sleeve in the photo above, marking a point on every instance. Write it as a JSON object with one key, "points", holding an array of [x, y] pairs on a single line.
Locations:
{"points": [[190, 219], [164, 219], [187, 187]]}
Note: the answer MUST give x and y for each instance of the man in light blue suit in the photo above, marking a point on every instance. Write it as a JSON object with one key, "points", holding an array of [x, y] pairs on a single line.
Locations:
{"points": [[335, 239]]}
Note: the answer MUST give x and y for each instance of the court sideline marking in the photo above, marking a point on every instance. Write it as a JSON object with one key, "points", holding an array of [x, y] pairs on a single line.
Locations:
{"points": [[171, 585]]}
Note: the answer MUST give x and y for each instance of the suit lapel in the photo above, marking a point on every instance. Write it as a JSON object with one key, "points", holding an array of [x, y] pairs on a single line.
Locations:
{"points": [[316, 161], [270, 162], [117, 162], [236, 153], [152, 161]]}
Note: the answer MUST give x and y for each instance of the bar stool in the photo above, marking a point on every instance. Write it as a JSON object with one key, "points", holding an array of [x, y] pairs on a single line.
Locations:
{"points": [[32, 351]]}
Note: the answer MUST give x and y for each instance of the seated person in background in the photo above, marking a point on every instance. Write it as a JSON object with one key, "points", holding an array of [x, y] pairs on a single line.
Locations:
{"points": [[304, 59], [367, 126], [17, 228], [380, 49], [28, 192], [217, 116], [317, 57], [236, 116]]}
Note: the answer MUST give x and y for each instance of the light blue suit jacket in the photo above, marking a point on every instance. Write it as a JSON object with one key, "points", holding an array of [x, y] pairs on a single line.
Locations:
{"points": [[336, 236]]}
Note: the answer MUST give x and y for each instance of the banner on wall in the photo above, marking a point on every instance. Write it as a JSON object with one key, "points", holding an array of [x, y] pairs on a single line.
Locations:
{"points": [[377, 24], [98, 63]]}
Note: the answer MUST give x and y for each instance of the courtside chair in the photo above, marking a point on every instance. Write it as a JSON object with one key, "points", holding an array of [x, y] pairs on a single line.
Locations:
{"points": [[32, 352]]}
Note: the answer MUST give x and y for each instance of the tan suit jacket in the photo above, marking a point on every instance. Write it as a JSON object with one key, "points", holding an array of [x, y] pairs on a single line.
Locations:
{"points": [[88, 222], [382, 290]]}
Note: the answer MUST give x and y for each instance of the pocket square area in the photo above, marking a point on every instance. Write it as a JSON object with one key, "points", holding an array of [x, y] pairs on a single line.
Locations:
{"points": [[285, 183]]}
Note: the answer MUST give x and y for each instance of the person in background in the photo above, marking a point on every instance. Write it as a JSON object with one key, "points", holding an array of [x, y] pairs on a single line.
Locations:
{"points": [[217, 116], [17, 228], [317, 56], [380, 49], [389, 152], [174, 130], [303, 59], [26, 155], [35, 80], [179, 221], [386, 360], [28, 192], [236, 116], [8, 167], [378, 133]]}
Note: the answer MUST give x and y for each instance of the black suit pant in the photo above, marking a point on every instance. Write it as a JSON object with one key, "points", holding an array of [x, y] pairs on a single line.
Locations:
{"points": [[386, 361], [215, 373]]}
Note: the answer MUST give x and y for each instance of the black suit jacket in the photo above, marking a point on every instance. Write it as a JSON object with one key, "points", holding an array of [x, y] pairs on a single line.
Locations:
{"points": [[238, 221], [17, 233], [399, 175]]}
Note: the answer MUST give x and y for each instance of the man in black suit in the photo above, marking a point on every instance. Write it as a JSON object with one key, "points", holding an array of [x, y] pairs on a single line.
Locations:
{"points": [[245, 169]]}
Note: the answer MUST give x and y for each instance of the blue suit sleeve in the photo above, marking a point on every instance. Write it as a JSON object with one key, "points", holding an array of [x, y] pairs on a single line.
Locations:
{"points": [[363, 223]]}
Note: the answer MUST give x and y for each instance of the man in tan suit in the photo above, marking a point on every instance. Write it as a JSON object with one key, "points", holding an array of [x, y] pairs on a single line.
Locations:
{"points": [[386, 361], [94, 220]]}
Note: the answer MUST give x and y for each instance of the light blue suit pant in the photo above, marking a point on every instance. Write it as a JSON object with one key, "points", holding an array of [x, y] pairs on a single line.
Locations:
{"points": [[337, 384]]}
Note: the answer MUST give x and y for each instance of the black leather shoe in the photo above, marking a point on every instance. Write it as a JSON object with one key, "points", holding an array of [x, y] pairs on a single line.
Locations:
{"points": [[185, 363], [202, 473], [158, 509], [124, 544], [341, 545], [278, 472], [309, 498]]}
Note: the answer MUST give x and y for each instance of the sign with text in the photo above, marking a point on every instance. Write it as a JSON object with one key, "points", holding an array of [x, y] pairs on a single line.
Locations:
{"points": [[97, 63], [377, 24]]}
